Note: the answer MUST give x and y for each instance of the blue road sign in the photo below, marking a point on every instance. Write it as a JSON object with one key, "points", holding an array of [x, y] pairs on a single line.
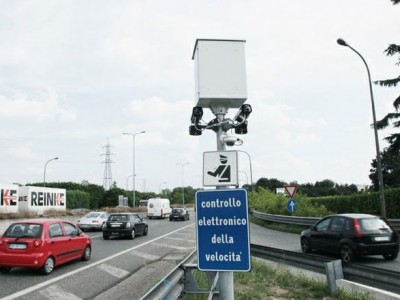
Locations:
{"points": [[222, 225], [291, 205]]}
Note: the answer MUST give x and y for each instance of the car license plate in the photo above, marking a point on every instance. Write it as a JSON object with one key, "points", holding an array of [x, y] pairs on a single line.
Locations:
{"points": [[381, 238], [115, 225], [17, 246]]}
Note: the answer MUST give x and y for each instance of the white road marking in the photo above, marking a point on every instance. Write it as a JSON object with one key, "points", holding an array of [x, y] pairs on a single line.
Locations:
{"points": [[96, 236], [146, 255], [116, 272], [180, 239], [54, 292], [55, 279], [172, 246]]}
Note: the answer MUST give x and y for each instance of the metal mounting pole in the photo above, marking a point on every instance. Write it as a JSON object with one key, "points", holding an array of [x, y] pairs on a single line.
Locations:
{"points": [[226, 289]]}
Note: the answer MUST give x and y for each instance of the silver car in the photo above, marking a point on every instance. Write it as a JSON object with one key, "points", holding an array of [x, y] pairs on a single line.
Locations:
{"points": [[93, 220]]}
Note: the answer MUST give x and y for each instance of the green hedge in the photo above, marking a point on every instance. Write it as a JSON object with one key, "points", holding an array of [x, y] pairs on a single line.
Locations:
{"points": [[362, 203], [78, 199], [266, 201]]}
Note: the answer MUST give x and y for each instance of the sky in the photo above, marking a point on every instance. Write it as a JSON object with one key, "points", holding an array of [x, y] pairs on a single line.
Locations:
{"points": [[76, 74]]}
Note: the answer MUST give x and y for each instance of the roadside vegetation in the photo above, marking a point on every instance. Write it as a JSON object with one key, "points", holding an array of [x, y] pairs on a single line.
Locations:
{"points": [[269, 281]]}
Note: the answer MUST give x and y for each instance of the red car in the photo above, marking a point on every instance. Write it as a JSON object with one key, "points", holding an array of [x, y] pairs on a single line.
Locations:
{"points": [[42, 244]]}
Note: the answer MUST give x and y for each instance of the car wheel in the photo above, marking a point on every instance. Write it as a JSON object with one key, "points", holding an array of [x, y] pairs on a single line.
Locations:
{"points": [[48, 266], [87, 253], [390, 256], [106, 236], [5, 270], [146, 230], [170, 219], [305, 245], [346, 253], [132, 236]]}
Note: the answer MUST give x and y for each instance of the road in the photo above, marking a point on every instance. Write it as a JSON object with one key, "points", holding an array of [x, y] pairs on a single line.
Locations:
{"points": [[127, 269], [142, 262]]}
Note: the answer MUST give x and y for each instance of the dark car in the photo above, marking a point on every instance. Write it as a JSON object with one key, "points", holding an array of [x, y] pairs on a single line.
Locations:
{"points": [[179, 214], [124, 225], [352, 236], [42, 244]]}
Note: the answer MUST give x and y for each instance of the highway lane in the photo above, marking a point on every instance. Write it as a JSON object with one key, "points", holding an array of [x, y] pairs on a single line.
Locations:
{"points": [[289, 241], [129, 268], [146, 258]]}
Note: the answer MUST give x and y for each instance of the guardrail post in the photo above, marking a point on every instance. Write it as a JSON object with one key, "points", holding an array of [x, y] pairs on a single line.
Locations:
{"points": [[191, 286], [333, 271]]}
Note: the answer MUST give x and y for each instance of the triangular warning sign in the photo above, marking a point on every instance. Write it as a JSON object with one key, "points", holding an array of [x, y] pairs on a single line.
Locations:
{"points": [[291, 190]]}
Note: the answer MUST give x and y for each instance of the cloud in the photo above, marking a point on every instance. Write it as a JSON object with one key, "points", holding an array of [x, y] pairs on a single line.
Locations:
{"points": [[21, 152], [40, 106]]}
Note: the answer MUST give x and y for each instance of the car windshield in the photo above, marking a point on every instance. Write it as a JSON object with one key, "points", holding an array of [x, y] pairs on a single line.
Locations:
{"points": [[92, 215], [119, 218], [25, 230], [178, 210], [374, 225]]}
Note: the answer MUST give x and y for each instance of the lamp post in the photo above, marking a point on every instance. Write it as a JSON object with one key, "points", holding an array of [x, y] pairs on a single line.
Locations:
{"points": [[159, 188], [133, 163], [183, 191], [378, 154], [251, 169], [127, 181], [45, 166], [247, 178]]}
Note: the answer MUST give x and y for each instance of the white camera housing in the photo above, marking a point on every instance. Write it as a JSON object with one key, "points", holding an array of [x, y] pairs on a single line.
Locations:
{"points": [[231, 140]]}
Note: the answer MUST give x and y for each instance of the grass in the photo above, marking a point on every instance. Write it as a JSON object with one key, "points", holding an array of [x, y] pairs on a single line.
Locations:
{"points": [[270, 281]]}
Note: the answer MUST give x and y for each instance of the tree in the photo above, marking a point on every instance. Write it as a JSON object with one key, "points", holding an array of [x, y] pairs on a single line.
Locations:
{"points": [[393, 117], [390, 155], [390, 169], [272, 184], [111, 196]]}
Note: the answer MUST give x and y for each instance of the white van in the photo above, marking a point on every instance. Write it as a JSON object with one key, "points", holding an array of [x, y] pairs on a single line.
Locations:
{"points": [[158, 208]]}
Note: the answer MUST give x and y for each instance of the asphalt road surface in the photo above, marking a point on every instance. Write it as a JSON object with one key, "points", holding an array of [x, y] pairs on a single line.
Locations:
{"points": [[128, 269]]}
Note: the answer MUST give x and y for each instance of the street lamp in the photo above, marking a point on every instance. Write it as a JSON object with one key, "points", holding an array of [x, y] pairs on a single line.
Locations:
{"points": [[45, 166], [183, 191], [159, 188], [247, 178], [127, 178], [378, 155], [133, 162], [251, 168]]}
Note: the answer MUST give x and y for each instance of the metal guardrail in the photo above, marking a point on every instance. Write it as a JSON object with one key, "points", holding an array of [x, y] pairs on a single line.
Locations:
{"points": [[375, 277], [171, 286], [305, 221], [181, 280]]}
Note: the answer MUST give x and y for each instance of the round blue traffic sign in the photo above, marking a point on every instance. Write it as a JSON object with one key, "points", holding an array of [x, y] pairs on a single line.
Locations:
{"points": [[291, 205]]}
